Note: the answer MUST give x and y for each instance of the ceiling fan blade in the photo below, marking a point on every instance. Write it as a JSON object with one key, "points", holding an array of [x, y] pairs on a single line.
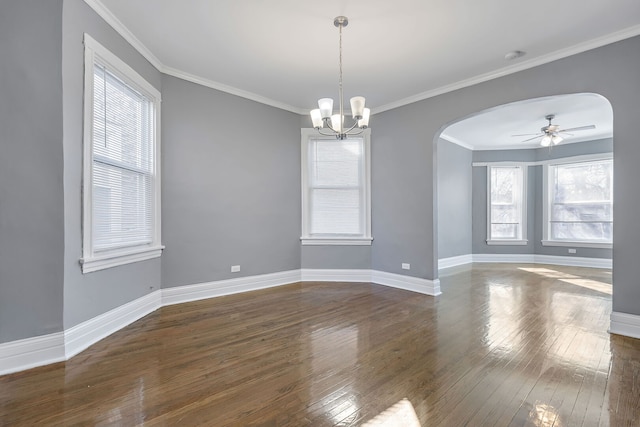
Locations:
{"points": [[527, 134], [531, 139], [578, 128]]}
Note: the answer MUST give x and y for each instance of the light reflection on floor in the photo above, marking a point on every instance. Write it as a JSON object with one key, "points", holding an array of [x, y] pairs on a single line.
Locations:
{"points": [[594, 285]]}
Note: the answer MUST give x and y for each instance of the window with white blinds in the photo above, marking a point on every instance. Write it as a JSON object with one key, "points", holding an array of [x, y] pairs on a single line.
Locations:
{"points": [[336, 208], [121, 194]]}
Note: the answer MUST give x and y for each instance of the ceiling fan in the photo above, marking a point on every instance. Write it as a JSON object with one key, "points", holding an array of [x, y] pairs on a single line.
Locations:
{"points": [[550, 133]]}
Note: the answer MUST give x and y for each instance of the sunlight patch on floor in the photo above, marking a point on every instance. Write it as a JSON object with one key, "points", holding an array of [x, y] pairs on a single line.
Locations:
{"points": [[572, 279], [594, 285]]}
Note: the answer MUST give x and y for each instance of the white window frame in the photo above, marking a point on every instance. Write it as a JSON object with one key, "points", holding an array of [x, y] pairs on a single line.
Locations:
{"points": [[98, 260], [546, 199], [335, 239], [522, 240]]}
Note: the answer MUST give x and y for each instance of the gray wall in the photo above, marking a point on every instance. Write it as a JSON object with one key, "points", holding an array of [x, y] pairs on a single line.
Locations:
{"points": [[230, 185], [403, 174], [31, 163], [404, 169], [535, 202], [454, 200], [88, 295], [341, 257]]}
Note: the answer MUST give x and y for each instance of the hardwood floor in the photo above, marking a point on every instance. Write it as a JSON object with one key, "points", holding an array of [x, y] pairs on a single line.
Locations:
{"points": [[504, 345]]}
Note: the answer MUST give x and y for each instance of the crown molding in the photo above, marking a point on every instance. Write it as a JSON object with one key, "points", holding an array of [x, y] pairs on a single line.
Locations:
{"points": [[457, 141], [525, 65], [121, 29], [231, 90]]}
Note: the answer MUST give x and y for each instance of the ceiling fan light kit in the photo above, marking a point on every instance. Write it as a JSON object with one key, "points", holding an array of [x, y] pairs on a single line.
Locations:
{"points": [[323, 117]]}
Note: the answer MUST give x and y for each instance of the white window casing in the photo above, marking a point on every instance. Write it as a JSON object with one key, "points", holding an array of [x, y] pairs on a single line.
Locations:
{"points": [[121, 163], [507, 204], [336, 193]]}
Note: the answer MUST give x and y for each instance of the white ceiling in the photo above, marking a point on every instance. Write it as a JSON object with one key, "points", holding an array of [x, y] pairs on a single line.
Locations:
{"points": [[493, 129], [285, 52]]}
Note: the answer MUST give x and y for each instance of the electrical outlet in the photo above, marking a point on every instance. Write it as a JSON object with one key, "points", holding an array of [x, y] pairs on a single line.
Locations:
{"points": [[235, 268], [406, 266], [572, 251]]}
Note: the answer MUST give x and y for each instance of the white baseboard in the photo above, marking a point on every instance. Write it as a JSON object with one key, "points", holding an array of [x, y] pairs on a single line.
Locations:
{"points": [[31, 352], [506, 258], [455, 261], [409, 283], [83, 335], [334, 275], [573, 261], [180, 294], [625, 324], [525, 259]]}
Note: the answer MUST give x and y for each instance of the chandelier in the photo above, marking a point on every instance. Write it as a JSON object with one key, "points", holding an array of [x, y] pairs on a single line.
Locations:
{"points": [[323, 117]]}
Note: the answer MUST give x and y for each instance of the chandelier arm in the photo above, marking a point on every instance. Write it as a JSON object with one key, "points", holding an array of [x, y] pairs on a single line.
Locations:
{"points": [[327, 122], [356, 133], [326, 134], [352, 127]]}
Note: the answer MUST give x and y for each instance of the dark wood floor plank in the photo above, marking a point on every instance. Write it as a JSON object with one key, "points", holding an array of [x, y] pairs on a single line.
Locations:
{"points": [[516, 344]]}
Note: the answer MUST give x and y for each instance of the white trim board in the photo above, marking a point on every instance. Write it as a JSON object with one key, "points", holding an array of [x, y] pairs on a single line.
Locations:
{"points": [[31, 352], [454, 261], [85, 334], [625, 324], [559, 161], [570, 261], [180, 294], [399, 281]]}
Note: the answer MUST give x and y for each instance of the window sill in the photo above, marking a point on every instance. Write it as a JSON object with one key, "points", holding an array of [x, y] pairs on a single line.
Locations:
{"points": [[336, 241], [508, 242], [114, 259], [596, 245]]}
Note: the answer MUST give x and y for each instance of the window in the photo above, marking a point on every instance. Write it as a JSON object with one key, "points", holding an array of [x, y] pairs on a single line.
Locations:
{"points": [[335, 190], [121, 183], [506, 206], [579, 204]]}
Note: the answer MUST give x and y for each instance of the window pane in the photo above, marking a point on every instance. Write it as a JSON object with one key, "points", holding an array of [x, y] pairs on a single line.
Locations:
{"points": [[122, 207], [122, 125], [584, 182], [335, 212], [582, 212], [504, 213], [504, 231], [502, 185], [336, 163], [586, 231]]}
